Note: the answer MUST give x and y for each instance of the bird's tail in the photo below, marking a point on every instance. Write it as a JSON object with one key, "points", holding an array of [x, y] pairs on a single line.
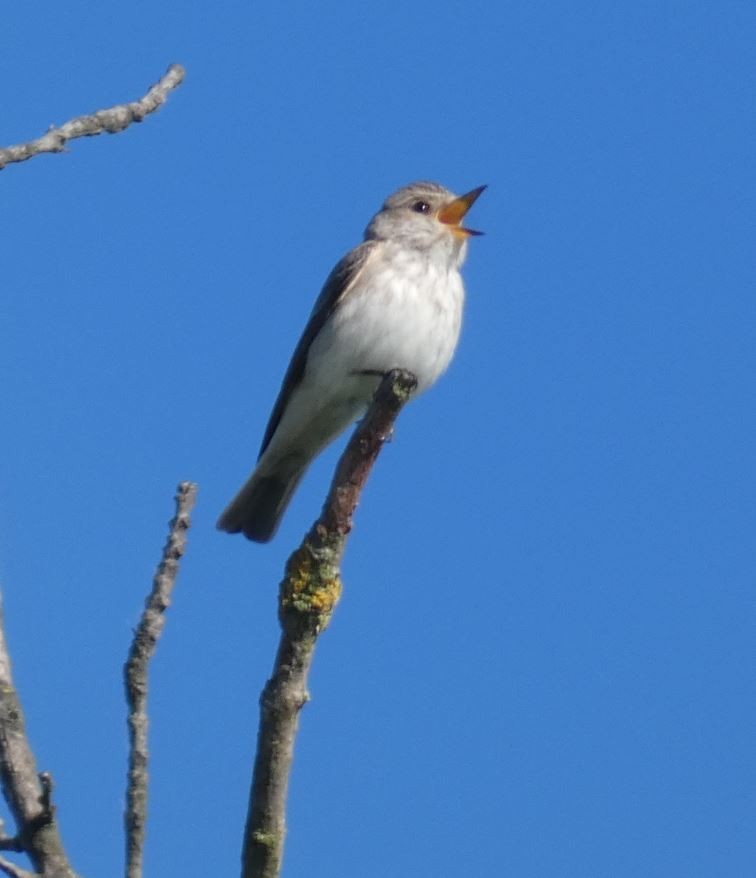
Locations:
{"points": [[257, 509]]}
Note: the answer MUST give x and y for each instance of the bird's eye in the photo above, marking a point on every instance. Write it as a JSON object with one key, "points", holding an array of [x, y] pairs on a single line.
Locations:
{"points": [[421, 207]]}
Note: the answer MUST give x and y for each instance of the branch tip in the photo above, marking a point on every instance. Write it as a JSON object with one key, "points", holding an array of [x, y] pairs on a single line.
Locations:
{"points": [[109, 121], [308, 595], [136, 676]]}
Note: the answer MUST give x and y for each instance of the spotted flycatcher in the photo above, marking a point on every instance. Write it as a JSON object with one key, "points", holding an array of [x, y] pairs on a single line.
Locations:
{"points": [[394, 302]]}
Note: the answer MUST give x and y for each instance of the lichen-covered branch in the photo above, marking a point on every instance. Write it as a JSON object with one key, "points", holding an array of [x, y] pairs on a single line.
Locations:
{"points": [[308, 595], [27, 792], [109, 121], [142, 649]]}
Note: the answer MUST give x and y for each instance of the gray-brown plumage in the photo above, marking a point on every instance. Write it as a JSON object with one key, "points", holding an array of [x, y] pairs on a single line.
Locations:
{"points": [[395, 301]]}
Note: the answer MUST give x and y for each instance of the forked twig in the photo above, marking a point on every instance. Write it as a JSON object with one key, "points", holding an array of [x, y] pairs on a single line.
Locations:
{"points": [[28, 793]]}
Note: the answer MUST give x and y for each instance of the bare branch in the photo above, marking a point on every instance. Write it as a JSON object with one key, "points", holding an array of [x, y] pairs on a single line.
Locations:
{"points": [[110, 121], [308, 595], [15, 871], [27, 792], [142, 649]]}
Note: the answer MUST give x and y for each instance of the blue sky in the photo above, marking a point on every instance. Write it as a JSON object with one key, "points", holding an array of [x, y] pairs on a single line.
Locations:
{"points": [[543, 662]]}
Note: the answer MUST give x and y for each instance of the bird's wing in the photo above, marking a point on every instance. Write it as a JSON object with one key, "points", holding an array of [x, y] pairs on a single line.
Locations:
{"points": [[338, 284]]}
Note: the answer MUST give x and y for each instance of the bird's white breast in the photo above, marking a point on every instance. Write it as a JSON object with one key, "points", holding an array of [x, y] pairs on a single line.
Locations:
{"points": [[404, 311]]}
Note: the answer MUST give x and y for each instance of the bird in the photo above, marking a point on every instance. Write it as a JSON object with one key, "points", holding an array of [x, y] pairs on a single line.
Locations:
{"points": [[393, 302]]}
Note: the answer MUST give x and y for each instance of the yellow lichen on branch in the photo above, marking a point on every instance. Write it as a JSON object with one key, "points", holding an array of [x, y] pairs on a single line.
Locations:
{"points": [[312, 587]]}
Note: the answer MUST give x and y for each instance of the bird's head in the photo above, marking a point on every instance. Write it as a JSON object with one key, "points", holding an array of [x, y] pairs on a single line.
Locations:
{"points": [[425, 216]]}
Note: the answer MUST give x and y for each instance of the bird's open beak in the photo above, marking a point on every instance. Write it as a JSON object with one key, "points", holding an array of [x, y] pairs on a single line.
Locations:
{"points": [[451, 214]]}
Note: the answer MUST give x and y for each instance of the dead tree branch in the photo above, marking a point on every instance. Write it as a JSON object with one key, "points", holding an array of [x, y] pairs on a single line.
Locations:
{"points": [[8, 868], [28, 793], [109, 121], [308, 595], [143, 647]]}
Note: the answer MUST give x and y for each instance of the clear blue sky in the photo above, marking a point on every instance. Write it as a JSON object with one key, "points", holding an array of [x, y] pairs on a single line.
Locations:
{"points": [[543, 663]]}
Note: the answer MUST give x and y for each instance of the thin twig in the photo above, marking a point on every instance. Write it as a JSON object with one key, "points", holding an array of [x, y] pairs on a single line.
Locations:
{"points": [[142, 649], [110, 121], [308, 595], [15, 871], [27, 792]]}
